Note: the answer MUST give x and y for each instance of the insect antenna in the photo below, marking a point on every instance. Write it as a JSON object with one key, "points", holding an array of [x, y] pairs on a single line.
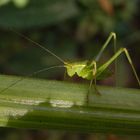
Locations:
{"points": [[34, 73], [37, 44]]}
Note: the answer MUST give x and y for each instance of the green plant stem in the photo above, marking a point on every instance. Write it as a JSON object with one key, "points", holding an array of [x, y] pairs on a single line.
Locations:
{"points": [[59, 105]]}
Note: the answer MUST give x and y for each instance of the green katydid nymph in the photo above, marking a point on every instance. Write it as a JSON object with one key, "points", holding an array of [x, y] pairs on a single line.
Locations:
{"points": [[85, 69]]}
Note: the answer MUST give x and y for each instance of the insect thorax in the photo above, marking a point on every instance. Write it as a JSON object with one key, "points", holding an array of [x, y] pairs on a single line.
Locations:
{"points": [[83, 69]]}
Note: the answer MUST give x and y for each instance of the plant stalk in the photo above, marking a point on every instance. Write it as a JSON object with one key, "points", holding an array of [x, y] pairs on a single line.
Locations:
{"points": [[49, 104]]}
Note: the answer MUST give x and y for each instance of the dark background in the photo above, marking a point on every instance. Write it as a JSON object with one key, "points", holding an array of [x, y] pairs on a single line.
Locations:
{"points": [[74, 30]]}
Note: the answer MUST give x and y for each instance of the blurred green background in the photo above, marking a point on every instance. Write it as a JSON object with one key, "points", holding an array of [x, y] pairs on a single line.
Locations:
{"points": [[74, 30]]}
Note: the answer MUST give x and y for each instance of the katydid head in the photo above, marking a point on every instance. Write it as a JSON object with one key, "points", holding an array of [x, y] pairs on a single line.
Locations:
{"points": [[75, 67], [85, 69]]}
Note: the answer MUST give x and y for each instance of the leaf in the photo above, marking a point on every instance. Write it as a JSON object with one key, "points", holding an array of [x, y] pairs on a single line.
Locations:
{"points": [[59, 105], [37, 13]]}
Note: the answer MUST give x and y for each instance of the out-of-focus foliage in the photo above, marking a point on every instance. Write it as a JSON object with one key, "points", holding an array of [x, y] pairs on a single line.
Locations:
{"points": [[78, 27], [73, 29], [107, 15], [75, 26], [18, 3], [23, 13]]}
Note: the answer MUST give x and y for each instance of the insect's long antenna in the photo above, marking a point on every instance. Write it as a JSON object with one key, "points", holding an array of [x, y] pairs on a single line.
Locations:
{"points": [[36, 72], [37, 44]]}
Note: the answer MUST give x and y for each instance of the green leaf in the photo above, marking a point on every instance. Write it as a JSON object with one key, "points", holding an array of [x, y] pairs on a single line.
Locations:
{"points": [[37, 13], [59, 105]]}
